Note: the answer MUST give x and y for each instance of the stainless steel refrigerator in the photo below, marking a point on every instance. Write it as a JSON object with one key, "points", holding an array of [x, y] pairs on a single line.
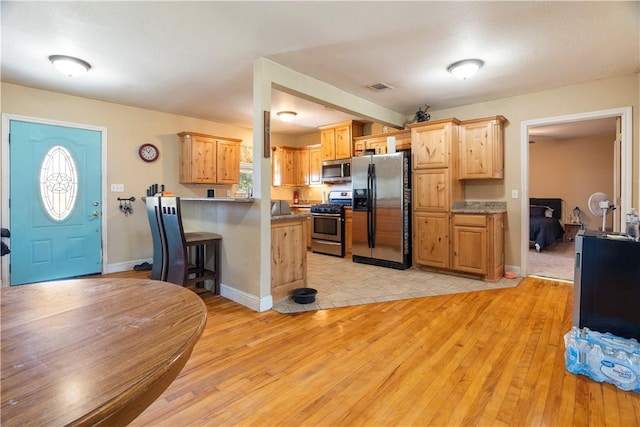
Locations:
{"points": [[381, 210]]}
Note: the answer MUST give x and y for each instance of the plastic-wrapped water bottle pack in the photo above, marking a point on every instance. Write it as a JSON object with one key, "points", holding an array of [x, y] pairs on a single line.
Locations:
{"points": [[603, 357]]}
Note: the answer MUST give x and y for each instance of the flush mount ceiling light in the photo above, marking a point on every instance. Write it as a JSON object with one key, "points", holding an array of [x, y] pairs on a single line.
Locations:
{"points": [[69, 66], [287, 116], [465, 69]]}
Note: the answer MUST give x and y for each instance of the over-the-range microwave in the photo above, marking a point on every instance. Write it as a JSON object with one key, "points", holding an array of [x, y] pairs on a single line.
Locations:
{"points": [[336, 170]]}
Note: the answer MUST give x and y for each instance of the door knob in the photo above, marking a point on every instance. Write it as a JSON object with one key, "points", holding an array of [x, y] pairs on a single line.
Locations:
{"points": [[96, 203], [95, 213]]}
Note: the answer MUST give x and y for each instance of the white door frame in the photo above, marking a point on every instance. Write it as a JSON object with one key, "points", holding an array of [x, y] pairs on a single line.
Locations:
{"points": [[4, 205], [626, 170]]}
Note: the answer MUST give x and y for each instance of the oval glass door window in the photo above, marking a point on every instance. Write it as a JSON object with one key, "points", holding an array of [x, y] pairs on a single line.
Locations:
{"points": [[58, 183]]}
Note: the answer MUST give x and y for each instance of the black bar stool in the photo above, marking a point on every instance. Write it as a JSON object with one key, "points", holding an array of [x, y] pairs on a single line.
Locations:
{"points": [[178, 243], [159, 267]]}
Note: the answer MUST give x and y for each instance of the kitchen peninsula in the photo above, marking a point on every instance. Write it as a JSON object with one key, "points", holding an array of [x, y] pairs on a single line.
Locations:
{"points": [[288, 254]]}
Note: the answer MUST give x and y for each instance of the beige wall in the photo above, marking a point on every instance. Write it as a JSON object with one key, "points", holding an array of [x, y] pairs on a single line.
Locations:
{"points": [[128, 237], [580, 98], [572, 169], [128, 127]]}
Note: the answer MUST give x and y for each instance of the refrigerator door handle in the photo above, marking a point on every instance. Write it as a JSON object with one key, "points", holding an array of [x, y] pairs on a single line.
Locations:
{"points": [[374, 208], [369, 217]]}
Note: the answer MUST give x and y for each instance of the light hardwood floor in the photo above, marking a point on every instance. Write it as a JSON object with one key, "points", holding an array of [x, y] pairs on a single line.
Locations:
{"points": [[492, 358]]}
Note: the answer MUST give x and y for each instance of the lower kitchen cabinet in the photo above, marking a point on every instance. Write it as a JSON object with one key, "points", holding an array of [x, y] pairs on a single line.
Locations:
{"points": [[288, 256], [348, 231], [305, 210], [431, 239], [478, 244]]}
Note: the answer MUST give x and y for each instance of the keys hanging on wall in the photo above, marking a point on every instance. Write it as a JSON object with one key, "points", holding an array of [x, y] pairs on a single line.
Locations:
{"points": [[126, 206]]}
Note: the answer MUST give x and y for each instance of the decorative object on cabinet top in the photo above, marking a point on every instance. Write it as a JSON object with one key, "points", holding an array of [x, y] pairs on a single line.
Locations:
{"points": [[479, 207], [423, 116]]}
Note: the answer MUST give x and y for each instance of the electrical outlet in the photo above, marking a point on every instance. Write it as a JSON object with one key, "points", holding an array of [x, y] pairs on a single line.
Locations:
{"points": [[514, 194], [117, 188]]}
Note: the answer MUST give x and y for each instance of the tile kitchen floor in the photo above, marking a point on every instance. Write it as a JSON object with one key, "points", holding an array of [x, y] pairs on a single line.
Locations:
{"points": [[341, 282]]}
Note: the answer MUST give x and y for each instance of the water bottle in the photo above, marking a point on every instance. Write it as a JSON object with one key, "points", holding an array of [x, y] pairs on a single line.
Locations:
{"points": [[633, 225]]}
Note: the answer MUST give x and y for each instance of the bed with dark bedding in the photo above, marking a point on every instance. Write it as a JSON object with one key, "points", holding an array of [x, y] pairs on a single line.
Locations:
{"points": [[544, 222]]}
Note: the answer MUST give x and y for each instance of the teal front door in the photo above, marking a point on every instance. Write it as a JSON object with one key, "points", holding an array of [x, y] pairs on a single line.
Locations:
{"points": [[55, 206]]}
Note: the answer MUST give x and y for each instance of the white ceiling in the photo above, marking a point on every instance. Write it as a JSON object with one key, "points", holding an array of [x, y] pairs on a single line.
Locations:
{"points": [[195, 58]]}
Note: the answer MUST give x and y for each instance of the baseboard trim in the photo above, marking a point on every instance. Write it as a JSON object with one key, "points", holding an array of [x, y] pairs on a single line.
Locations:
{"points": [[246, 299], [513, 269], [125, 266]]}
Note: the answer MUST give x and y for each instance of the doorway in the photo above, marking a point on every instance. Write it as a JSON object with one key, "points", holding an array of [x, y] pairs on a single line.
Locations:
{"points": [[623, 156], [54, 184]]}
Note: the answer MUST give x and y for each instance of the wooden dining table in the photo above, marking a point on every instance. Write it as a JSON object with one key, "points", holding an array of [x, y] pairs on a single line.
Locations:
{"points": [[92, 351]]}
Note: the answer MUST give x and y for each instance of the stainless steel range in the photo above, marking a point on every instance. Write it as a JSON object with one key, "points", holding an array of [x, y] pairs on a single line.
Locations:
{"points": [[327, 224]]}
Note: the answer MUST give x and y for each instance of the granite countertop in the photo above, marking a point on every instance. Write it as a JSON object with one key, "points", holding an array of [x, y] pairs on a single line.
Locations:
{"points": [[472, 207], [289, 217]]}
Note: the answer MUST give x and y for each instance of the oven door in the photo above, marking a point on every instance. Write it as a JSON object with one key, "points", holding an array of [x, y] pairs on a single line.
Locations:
{"points": [[326, 234], [326, 227]]}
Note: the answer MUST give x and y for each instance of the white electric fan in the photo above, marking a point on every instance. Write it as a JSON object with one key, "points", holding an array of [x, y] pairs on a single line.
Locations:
{"points": [[599, 204]]}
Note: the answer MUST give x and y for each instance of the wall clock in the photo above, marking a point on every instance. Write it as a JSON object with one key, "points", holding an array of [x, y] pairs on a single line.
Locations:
{"points": [[149, 152]]}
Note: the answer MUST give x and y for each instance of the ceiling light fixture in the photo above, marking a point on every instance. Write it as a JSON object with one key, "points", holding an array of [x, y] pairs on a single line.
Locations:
{"points": [[465, 69], [287, 116], [69, 66]]}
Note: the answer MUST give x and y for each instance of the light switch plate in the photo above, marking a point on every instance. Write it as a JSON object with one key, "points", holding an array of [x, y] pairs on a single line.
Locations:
{"points": [[117, 188], [514, 194]]}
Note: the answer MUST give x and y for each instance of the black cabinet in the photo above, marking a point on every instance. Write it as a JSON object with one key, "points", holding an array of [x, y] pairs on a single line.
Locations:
{"points": [[607, 284]]}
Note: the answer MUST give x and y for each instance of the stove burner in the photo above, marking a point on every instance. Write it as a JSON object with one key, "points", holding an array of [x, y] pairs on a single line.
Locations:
{"points": [[330, 208]]}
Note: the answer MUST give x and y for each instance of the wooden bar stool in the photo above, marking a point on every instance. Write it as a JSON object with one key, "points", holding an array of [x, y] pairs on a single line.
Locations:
{"points": [[178, 244]]}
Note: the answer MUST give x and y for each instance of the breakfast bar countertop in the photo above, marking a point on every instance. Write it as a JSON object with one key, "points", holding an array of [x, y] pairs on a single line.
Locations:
{"points": [[218, 199], [290, 216], [475, 207]]}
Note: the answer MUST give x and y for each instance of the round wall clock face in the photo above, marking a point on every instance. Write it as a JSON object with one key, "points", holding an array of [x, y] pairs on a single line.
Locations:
{"points": [[149, 152]]}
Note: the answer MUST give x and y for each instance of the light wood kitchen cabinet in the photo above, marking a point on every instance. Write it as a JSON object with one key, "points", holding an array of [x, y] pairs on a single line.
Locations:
{"points": [[228, 162], [482, 148], [315, 165], [296, 167], [478, 244], [348, 231], [298, 210], [288, 256], [433, 143], [431, 239], [301, 160], [336, 140], [434, 190], [442, 239], [208, 159], [283, 171], [378, 142]]}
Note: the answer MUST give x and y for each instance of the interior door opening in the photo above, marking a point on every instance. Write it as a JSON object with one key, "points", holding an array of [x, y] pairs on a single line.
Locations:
{"points": [[620, 173]]}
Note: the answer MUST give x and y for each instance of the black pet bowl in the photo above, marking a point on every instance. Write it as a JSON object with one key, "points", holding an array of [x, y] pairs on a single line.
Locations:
{"points": [[304, 295]]}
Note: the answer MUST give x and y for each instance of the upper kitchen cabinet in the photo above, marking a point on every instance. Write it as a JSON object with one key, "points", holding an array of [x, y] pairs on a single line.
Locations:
{"points": [[337, 140], [379, 142], [296, 167], [315, 164], [302, 170], [209, 159], [482, 148], [283, 166], [432, 143]]}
